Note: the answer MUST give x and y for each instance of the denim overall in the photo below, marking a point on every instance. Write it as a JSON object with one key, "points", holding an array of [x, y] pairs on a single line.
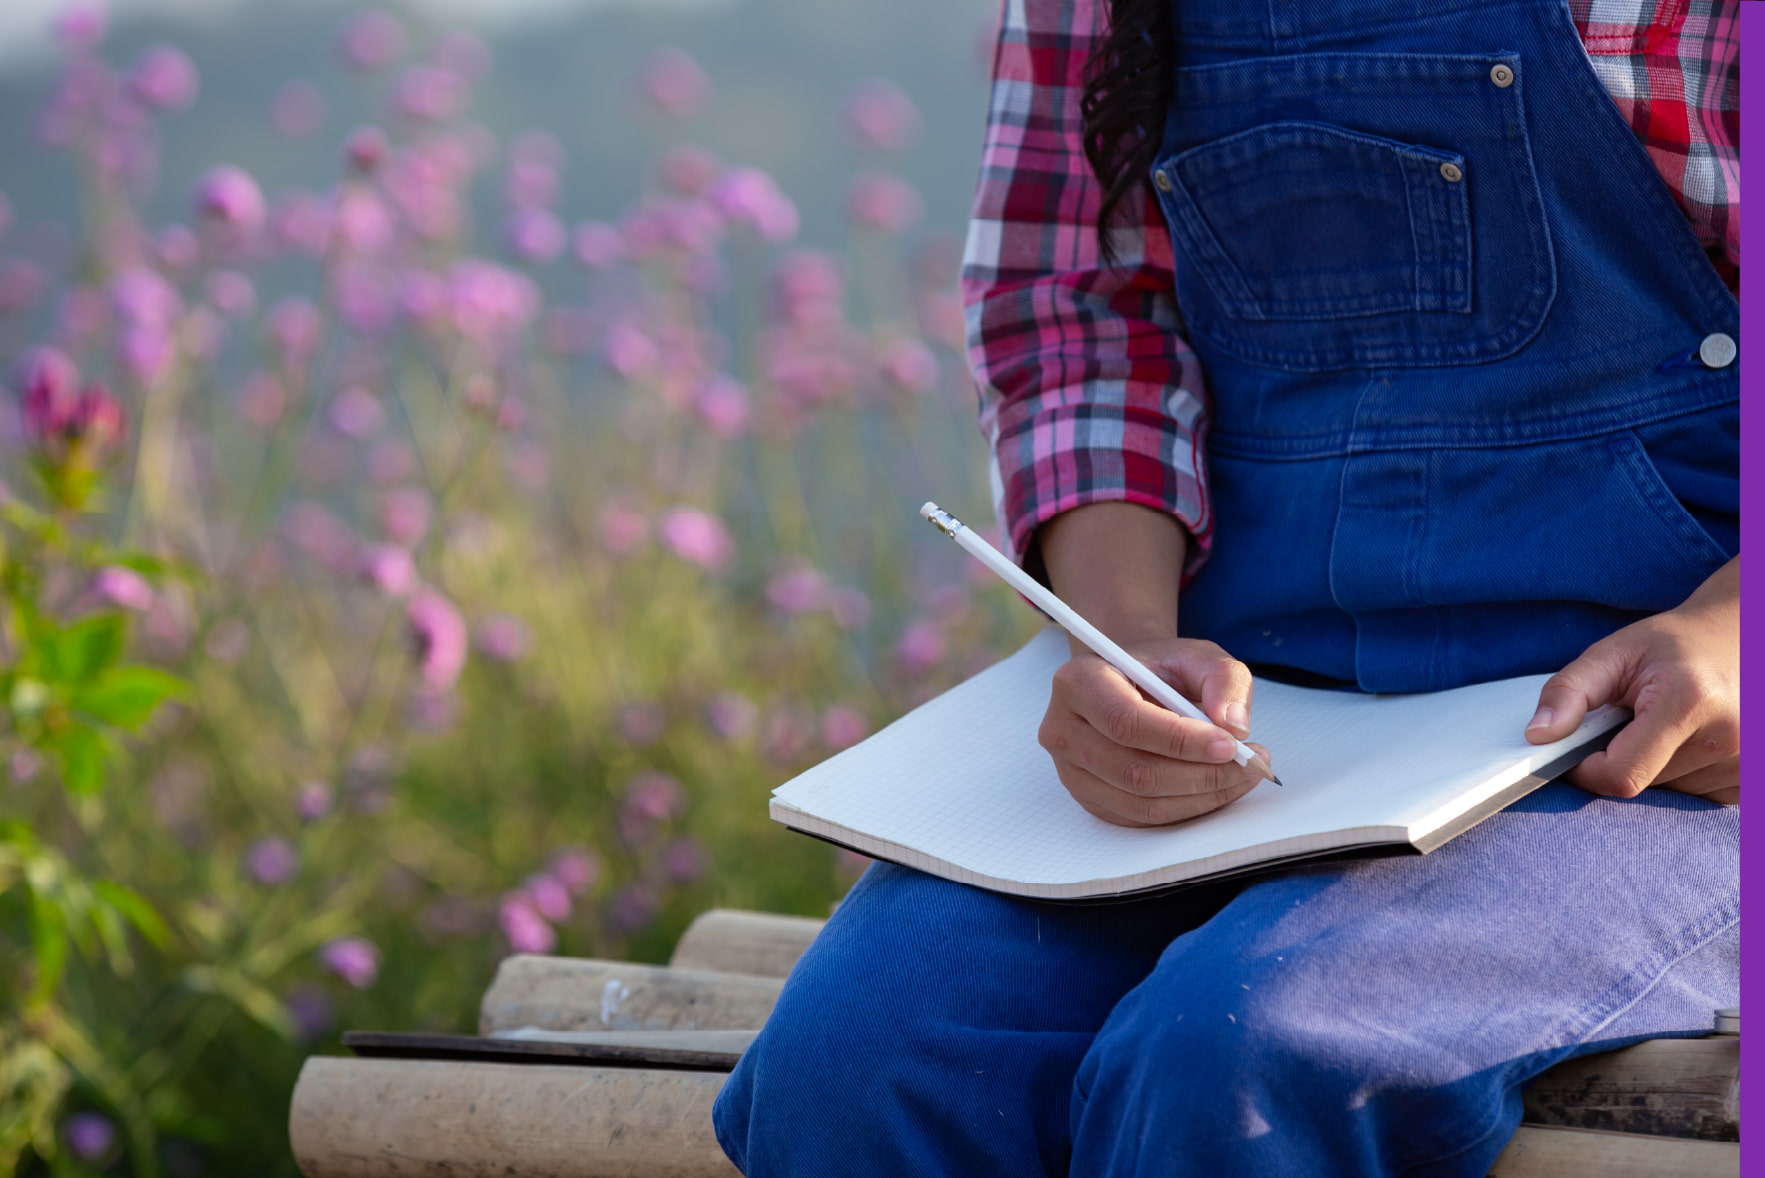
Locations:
{"points": [[1451, 318]]}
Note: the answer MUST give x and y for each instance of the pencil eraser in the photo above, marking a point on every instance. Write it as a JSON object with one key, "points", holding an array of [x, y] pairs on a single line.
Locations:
{"points": [[930, 509]]}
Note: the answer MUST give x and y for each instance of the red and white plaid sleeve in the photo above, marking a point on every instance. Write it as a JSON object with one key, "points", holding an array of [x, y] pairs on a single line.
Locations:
{"points": [[1088, 392], [1673, 68]]}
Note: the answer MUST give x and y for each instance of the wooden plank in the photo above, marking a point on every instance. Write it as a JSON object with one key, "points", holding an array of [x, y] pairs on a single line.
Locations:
{"points": [[394, 1118], [1671, 1087], [715, 1051], [1540, 1151], [401, 1118], [733, 940], [580, 994]]}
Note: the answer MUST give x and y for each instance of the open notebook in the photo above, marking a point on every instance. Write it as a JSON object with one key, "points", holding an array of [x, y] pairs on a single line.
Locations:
{"points": [[960, 788]]}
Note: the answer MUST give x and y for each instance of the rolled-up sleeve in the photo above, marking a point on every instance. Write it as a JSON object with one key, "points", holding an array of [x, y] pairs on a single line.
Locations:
{"points": [[1088, 392]]}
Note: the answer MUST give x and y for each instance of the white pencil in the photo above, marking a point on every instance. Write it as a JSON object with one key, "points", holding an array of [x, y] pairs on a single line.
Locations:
{"points": [[1137, 672]]}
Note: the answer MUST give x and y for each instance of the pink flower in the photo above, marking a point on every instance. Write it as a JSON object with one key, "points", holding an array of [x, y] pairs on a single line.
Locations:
{"points": [[598, 245], [842, 727], [731, 715], [673, 82], [80, 26], [163, 79], [848, 607], [294, 325], [642, 723], [877, 200], [722, 405], [318, 533], [623, 529], [356, 413], [797, 590], [49, 383], [123, 587], [404, 514], [363, 221], [429, 94], [684, 860], [879, 115], [312, 801], [652, 799], [751, 197], [698, 537], [549, 896], [178, 248], [688, 170], [354, 959], [231, 293], [143, 296], [909, 365], [98, 420], [504, 638], [298, 110], [629, 351], [491, 303], [921, 645], [365, 149], [227, 197], [577, 870], [389, 568], [302, 223], [635, 906], [372, 39], [534, 235], [440, 636], [272, 861], [521, 922], [311, 1010], [89, 1135], [366, 296], [532, 183]]}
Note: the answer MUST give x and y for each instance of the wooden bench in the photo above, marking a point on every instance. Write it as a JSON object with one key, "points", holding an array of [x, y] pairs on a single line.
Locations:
{"points": [[622, 1085]]}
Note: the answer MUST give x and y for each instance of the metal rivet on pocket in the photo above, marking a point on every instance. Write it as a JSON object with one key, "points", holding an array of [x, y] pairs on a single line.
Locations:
{"points": [[1163, 181], [1501, 75], [1451, 172], [1718, 350]]}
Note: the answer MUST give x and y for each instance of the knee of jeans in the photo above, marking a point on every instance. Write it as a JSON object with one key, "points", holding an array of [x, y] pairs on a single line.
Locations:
{"points": [[1222, 1042]]}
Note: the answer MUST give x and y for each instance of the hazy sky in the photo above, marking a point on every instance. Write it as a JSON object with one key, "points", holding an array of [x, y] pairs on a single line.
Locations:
{"points": [[24, 24]]}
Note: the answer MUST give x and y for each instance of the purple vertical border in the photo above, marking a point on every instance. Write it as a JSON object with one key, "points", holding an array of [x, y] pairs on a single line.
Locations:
{"points": [[1752, 485]]}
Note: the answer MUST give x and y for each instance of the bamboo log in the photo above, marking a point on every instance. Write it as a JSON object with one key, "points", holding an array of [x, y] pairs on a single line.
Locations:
{"points": [[1667, 1087], [735, 941], [1539, 1151], [574, 994], [406, 1118], [395, 1118]]}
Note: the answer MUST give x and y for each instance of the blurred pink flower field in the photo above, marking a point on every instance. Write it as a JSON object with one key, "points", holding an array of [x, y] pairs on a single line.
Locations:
{"points": [[385, 591]]}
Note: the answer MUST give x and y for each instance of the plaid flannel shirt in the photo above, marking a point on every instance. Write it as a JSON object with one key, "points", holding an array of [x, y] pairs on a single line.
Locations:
{"points": [[1088, 392]]}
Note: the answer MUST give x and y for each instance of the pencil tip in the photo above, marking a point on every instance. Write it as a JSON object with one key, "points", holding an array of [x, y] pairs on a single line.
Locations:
{"points": [[1275, 779]]}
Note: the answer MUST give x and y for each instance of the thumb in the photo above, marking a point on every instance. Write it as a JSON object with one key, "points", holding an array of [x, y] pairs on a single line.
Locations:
{"points": [[1598, 677]]}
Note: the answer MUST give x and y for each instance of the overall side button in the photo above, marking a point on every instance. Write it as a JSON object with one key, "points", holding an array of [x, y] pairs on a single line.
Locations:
{"points": [[1718, 350]]}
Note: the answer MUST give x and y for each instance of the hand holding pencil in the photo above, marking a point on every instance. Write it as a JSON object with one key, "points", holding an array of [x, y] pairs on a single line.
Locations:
{"points": [[1127, 760]]}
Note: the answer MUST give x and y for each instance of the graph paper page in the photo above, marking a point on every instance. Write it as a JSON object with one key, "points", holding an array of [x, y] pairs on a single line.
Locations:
{"points": [[962, 782]]}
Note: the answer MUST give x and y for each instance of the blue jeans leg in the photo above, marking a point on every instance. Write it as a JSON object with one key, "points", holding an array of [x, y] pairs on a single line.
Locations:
{"points": [[1379, 1019], [933, 1029]]}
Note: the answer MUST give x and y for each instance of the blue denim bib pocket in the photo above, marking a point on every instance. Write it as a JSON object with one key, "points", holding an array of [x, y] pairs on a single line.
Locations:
{"points": [[1333, 211], [1385, 226]]}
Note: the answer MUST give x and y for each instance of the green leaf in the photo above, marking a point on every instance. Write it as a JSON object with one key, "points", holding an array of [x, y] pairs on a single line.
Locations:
{"points": [[134, 909], [49, 944], [127, 696], [80, 751], [87, 647]]}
